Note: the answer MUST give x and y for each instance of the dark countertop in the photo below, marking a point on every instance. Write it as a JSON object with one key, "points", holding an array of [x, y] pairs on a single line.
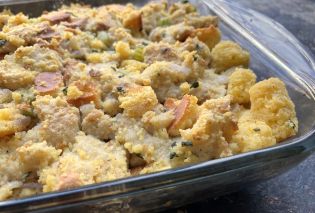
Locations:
{"points": [[293, 191]]}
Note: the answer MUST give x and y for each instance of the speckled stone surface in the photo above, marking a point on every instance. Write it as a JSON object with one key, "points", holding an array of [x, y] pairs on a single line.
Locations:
{"points": [[293, 191]]}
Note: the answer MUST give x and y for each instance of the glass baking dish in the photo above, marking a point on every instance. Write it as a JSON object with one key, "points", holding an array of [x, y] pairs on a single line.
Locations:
{"points": [[274, 52]]}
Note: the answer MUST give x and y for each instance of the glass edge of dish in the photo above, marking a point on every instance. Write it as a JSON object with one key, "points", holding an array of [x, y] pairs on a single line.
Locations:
{"points": [[308, 138]]}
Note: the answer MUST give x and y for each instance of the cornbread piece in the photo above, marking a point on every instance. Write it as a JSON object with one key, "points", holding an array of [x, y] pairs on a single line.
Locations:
{"points": [[209, 35], [155, 122], [133, 66], [151, 14], [37, 58], [253, 135], [163, 77], [15, 36], [271, 103], [159, 52], [36, 156], [206, 137], [13, 76], [227, 54], [98, 124], [88, 161], [11, 121], [137, 100], [59, 122], [171, 34], [11, 172], [153, 149], [239, 84]]}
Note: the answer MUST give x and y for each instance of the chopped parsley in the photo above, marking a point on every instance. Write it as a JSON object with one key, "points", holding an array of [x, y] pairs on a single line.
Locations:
{"points": [[165, 50], [256, 129], [173, 155], [292, 124], [120, 89], [173, 144], [145, 43], [26, 175], [195, 57], [195, 84], [198, 47], [65, 90], [184, 1], [187, 143]]}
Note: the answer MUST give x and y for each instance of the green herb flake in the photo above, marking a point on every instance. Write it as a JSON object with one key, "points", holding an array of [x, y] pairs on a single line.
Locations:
{"points": [[2, 42], [187, 143], [256, 129], [195, 57], [145, 43], [165, 50], [65, 90], [173, 155], [198, 47], [120, 89], [195, 84], [292, 124], [173, 144], [184, 1], [26, 175]]}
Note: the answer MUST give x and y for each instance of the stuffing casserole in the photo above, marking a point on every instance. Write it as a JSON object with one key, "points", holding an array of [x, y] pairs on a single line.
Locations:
{"points": [[95, 94]]}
